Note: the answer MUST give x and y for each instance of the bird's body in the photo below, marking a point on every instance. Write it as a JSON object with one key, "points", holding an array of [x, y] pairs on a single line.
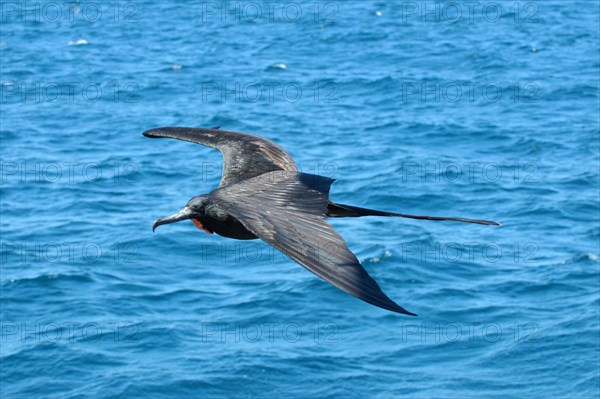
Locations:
{"points": [[220, 222], [263, 195]]}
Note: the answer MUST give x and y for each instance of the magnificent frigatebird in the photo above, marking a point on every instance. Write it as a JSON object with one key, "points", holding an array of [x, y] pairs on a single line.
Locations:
{"points": [[263, 195]]}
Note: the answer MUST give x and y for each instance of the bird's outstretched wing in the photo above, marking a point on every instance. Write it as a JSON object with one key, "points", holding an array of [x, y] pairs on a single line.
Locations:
{"points": [[244, 155], [288, 211]]}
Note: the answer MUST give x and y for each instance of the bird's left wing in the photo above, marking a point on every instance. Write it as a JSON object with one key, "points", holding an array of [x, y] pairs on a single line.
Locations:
{"points": [[244, 155], [288, 211]]}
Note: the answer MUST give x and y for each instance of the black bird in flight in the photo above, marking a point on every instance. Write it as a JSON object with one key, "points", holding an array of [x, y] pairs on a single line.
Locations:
{"points": [[263, 195]]}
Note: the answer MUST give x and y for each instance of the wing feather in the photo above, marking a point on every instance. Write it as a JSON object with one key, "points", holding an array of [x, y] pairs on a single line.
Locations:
{"points": [[244, 155], [288, 211]]}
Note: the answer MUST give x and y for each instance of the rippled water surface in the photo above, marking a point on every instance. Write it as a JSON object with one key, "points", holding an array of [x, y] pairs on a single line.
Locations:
{"points": [[428, 108]]}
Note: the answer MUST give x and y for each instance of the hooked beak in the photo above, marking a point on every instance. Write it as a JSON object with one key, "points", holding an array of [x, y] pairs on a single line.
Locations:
{"points": [[183, 214]]}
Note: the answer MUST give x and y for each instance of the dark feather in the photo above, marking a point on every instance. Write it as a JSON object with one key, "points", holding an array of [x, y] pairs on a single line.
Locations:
{"points": [[348, 211], [288, 211], [244, 155]]}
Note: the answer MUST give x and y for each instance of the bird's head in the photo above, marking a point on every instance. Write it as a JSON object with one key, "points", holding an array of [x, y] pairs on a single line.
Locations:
{"points": [[194, 210]]}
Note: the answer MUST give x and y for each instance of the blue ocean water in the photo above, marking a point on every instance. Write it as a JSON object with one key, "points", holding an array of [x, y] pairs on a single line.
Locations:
{"points": [[484, 110]]}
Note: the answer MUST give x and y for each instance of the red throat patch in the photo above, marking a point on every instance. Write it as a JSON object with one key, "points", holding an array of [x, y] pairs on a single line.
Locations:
{"points": [[199, 225]]}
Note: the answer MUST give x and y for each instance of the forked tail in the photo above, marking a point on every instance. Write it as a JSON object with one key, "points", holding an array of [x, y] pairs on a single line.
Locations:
{"points": [[347, 211]]}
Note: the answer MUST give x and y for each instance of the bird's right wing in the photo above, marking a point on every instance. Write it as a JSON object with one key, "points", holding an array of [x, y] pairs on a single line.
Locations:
{"points": [[244, 155], [288, 211]]}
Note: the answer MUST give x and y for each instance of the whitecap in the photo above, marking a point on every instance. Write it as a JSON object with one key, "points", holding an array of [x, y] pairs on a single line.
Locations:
{"points": [[78, 42]]}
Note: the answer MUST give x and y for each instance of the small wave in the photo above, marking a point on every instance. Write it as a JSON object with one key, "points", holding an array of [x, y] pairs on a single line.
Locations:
{"points": [[278, 66], [78, 42]]}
